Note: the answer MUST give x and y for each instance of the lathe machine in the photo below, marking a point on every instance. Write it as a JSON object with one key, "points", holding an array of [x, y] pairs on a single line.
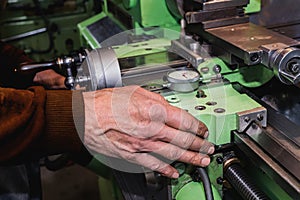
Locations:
{"points": [[233, 64]]}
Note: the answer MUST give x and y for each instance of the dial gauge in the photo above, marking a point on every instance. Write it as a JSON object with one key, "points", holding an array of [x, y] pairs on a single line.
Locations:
{"points": [[183, 75], [185, 80]]}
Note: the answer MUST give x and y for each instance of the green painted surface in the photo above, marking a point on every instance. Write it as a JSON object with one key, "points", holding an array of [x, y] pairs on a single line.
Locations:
{"points": [[219, 124], [194, 191], [253, 7], [251, 76], [128, 4], [142, 48], [224, 97], [146, 13]]}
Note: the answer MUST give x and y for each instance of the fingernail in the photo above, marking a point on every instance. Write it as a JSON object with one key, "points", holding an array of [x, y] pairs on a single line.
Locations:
{"points": [[175, 175], [211, 150], [206, 134], [205, 161]]}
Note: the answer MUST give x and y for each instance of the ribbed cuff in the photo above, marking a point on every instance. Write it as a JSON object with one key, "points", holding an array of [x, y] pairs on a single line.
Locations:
{"points": [[60, 132]]}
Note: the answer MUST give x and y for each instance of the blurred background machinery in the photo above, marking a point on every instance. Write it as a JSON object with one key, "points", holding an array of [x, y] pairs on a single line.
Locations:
{"points": [[44, 29], [234, 64]]}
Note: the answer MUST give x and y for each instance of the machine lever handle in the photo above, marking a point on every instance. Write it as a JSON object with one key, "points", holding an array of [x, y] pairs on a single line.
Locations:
{"points": [[36, 66]]}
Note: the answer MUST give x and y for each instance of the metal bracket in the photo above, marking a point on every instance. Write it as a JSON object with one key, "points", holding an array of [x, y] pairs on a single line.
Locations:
{"points": [[244, 118], [190, 52]]}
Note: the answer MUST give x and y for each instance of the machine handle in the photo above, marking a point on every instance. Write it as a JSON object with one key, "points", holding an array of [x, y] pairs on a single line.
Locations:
{"points": [[36, 66]]}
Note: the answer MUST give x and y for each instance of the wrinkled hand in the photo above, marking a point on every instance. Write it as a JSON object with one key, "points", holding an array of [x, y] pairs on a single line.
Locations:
{"points": [[50, 79], [134, 124]]}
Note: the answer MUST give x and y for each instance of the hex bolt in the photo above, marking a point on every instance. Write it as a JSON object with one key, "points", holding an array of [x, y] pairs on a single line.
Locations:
{"points": [[219, 160], [260, 117], [254, 57], [220, 180]]}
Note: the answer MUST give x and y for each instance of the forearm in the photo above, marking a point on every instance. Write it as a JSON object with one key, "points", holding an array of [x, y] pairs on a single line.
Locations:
{"points": [[35, 123]]}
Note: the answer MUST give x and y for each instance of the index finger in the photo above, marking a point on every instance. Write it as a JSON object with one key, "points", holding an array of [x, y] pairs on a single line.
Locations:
{"points": [[182, 120]]}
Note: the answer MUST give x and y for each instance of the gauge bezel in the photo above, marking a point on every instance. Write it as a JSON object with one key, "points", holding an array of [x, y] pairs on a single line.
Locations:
{"points": [[179, 85], [174, 80]]}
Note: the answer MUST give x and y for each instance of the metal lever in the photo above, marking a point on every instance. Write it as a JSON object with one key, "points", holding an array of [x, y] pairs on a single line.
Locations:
{"points": [[66, 64], [36, 66]]}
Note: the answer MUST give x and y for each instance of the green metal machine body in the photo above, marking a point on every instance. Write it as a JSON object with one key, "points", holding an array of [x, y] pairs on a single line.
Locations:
{"points": [[233, 58], [140, 14], [217, 102]]}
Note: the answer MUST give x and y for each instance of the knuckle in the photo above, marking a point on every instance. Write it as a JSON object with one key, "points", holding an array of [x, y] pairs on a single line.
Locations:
{"points": [[187, 140], [174, 154], [142, 124], [157, 111], [187, 124], [138, 145], [159, 167], [195, 160], [155, 166]]}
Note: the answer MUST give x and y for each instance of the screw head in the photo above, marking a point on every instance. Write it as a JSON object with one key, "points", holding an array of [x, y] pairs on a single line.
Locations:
{"points": [[254, 57], [217, 69], [247, 119], [260, 117]]}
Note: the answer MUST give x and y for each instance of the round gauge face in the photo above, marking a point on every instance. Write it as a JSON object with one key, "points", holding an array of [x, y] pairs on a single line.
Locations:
{"points": [[183, 75]]}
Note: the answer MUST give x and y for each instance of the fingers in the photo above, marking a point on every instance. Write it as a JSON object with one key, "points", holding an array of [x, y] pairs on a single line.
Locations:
{"points": [[184, 140], [151, 126], [180, 119], [50, 79], [133, 150], [172, 152], [178, 138], [176, 117], [169, 152], [123, 146], [132, 145]]}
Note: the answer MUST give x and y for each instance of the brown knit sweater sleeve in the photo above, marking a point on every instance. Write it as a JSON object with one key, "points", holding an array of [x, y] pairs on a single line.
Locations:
{"points": [[36, 122]]}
